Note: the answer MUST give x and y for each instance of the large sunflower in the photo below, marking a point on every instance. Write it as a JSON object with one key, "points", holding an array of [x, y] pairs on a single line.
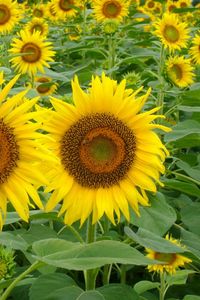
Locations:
{"points": [[195, 49], [172, 260], [45, 86], [65, 8], [31, 52], [9, 15], [18, 154], [180, 71], [172, 32], [110, 9], [108, 153]]}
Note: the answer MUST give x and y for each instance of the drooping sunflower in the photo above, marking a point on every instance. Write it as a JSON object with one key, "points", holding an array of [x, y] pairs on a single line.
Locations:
{"points": [[173, 260], [9, 15], [180, 71], [195, 49], [110, 9], [37, 24], [172, 33], [33, 52], [45, 86], [108, 153], [19, 153], [65, 8]]}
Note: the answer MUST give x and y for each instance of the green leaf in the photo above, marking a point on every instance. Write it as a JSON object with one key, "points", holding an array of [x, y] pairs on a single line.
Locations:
{"points": [[68, 255], [189, 108], [190, 216], [118, 292], [157, 218], [182, 129], [192, 241], [180, 277], [91, 295], [12, 217], [14, 242], [145, 285], [192, 172], [150, 240], [184, 187], [191, 297], [47, 287]]}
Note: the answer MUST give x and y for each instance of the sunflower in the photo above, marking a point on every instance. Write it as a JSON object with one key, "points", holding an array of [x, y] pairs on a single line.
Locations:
{"points": [[19, 153], [110, 9], [1, 78], [172, 32], [172, 260], [150, 5], [65, 8], [33, 52], [171, 5], [45, 86], [38, 11], [37, 25], [9, 15], [184, 3], [195, 49], [180, 71], [50, 12], [108, 153]]}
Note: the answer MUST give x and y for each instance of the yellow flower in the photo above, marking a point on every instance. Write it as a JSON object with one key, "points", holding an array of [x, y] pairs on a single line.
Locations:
{"points": [[108, 154], [19, 153], [172, 260], [50, 11], [9, 15], [195, 49], [180, 71], [65, 8], [37, 25], [184, 3], [171, 5], [38, 11], [33, 52], [45, 86], [1, 78], [172, 33], [110, 9]]}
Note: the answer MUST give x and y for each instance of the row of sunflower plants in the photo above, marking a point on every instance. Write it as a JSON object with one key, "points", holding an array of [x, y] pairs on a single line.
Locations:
{"points": [[99, 150]]}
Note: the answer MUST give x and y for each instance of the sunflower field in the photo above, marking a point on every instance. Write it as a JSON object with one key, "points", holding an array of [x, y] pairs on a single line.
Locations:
{"points": [[99, 150]]}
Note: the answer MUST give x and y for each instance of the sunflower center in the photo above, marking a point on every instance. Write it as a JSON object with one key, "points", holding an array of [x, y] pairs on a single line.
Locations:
{"points": [[66, 4], [151, 4], [183, 4], [171, 34], [38, 13], [111, 9], [9, 151], [172, 7], [42, 88], [169, 258], [4, 14], [177, 71], [32, 53], [37, 27], [98, 150]]}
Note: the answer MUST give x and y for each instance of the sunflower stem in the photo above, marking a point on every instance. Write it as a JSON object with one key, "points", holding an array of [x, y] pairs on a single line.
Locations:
{"points": [[32, 268], [90, 275], [111, 57], [162, 290], [161, 93]]}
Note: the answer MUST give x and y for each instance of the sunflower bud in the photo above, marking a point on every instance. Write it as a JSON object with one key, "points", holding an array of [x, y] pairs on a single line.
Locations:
{"points": [[110, 26], [7, 264]]}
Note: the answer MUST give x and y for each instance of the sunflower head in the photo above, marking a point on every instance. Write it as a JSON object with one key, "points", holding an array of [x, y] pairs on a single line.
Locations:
{"points": [[45, 86], [171, 261], [37, 25], [9, 15], [107, 150], [195, 49], [172, 33]]}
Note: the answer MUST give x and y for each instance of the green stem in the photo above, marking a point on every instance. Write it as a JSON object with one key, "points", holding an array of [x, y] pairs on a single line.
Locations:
{"points": [[32, 268], [111, 51], [185, 177], [90, 275], [163, 286], [161, 93], [106, 274], [73, 230], [123, 274]]}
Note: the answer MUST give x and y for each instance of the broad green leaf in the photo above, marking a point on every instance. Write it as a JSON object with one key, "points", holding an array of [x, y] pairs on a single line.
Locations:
{"points": [[118, 292], [14, 242], [63, 254], [150, 240], [46, 286], [182, 129], [180, 277], [190, 217], [12, 217], [91, 295], [189, 108], [192, 241], [184, 187], [157, 218], [192, 172], [38, 232], [191, 297], [145, 285]]}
